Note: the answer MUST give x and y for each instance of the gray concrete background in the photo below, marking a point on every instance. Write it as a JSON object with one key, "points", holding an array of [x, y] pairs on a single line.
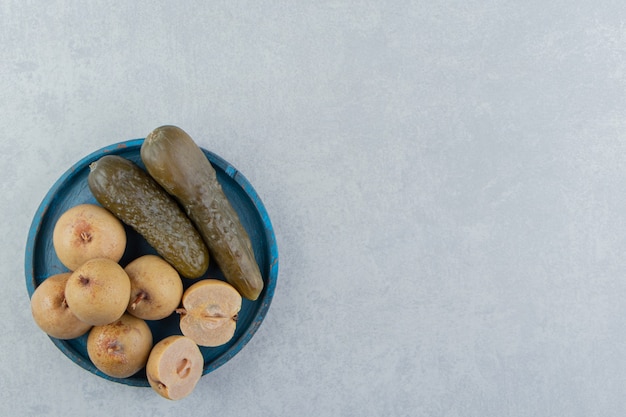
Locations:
{"points": [[446, 181]]}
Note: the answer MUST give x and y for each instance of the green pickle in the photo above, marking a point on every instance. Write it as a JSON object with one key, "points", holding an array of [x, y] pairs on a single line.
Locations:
{"points": [[134, 197], [178, 164]]}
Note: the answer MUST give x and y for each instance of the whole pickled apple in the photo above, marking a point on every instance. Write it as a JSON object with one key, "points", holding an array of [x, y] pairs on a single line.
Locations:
{"points": [[178, 164]]}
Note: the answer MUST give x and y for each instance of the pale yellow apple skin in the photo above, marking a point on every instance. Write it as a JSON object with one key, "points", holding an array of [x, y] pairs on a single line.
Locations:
{"points": [[51, 312], [98, 291], [120, 349], [156, 288], [85, 232]]}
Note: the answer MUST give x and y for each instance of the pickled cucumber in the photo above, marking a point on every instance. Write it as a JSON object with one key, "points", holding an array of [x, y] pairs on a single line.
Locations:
{"points": [[176, 162], [135, 198]]}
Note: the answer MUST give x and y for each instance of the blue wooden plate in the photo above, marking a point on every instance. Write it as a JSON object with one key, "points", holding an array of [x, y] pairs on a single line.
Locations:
{"points": [[72, 189]]}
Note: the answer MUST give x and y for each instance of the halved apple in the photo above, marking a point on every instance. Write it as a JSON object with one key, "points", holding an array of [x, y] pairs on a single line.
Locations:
{"points": [[209, 313], [174, 367]]}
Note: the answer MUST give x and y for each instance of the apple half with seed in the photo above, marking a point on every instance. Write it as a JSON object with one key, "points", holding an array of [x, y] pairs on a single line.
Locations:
{"points": [[174, 367], [209, 313]]}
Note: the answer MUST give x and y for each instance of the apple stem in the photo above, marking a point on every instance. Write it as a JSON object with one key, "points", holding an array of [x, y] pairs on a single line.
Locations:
{"points": [[141, 296]]}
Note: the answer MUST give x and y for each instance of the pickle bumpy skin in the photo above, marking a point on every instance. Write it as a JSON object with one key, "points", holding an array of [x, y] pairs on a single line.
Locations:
{"points": [[136, 199], [176, 162]]}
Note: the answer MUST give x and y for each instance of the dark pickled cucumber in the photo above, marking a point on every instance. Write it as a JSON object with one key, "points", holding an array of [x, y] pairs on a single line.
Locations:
{"points": [[135, 198], [176, 162]]}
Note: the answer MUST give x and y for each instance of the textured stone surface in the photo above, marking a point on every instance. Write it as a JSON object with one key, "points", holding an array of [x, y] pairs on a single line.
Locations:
{"points": [[446, 181]]}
